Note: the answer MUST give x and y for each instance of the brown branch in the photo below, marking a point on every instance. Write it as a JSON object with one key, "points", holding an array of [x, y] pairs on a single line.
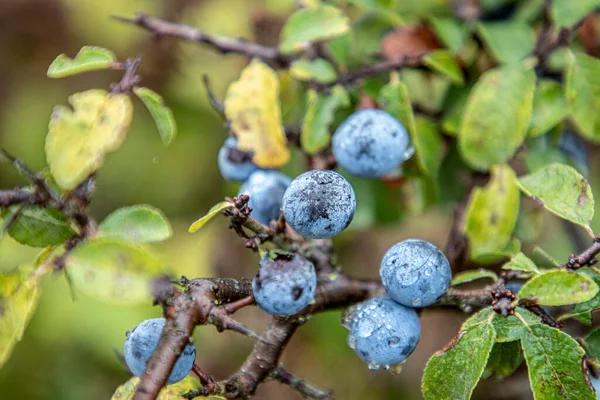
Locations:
{"points": [[287, 378], [130, 76], [221, 44]]}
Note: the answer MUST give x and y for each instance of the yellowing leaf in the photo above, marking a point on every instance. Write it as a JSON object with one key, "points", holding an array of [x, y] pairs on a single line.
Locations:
{"points": [[170, 392], [18, 299], [89, 58], [252, 106], [217, 208], [79, 139]]}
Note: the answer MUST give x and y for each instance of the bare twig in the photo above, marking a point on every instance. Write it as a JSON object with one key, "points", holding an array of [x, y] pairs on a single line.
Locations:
{"points": [[220, 43], [286, 377], [130, 76]]}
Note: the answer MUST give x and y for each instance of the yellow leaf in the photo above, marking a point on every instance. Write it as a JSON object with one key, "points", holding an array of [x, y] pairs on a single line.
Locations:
{"points": [[79, 139], [216, 209], [252, 106], [170, 392]]}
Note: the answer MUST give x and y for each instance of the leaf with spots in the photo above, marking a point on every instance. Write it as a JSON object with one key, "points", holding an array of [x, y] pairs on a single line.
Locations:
{"points": [[114, 271], [79, 139], [468, 353], [582, 312], [521, 262], [253, 110], [511, 328], [89, 58], [558, 288], [19, 293], [554, 361], [492, 213], [170, 392], [138, 224], [562, 191]]}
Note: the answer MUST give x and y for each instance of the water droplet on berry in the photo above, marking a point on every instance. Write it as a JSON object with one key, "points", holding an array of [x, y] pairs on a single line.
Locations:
{"points": [[409, 153], [416, 302], [365, 327], [396, 369], [351, 341], [373, 366], [394, 341]]}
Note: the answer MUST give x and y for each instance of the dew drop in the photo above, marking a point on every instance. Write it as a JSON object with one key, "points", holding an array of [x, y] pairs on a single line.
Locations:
{"points": [[409, 152], [351, 341], [372, 306], [396, 369], [394, 341], [347, 318], [155, 160], [365, 327], [373, 366], [388, 326], [416, 302]]}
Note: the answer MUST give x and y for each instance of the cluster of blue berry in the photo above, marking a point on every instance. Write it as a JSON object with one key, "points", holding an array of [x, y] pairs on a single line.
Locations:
{"points": [[320, 204]]}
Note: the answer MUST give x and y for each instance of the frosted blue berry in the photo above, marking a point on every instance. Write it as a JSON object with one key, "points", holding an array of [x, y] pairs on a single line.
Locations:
{"points": [[415, 273], [265, 189], [576, 151], [234, 167], [140, 344], [383, 332], [371, 143], [284, 285], [319, 204]]}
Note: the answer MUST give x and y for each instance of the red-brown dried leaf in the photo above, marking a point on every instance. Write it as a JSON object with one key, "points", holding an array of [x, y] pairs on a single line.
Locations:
{"points": [[409, 41]]}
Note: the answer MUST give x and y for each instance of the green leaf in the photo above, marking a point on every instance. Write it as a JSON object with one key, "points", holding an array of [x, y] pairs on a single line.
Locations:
{"points": [[216, 209], [467, 353], [319, 116], [508, 41], [592, 343], [318, 70], [511, 328], [558, 288], [19, 293], [114, 271], [424, 135], [450, 31], [443, 62], [89, 58], [504, 359], [79, 139], [521, 262], [583, 94], [543, 259], [496, 116], [170, 392], [37, 226], [582, 312], [492, 212], [312, 25], [454, 106], [162, 115], [472, 275], [567, 13], [554, 360], [549, 107], [140, 224], [502, 255], [562, 191]]}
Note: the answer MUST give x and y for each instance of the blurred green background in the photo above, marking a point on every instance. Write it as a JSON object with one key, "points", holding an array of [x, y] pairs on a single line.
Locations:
{"points": [[69, 349]]}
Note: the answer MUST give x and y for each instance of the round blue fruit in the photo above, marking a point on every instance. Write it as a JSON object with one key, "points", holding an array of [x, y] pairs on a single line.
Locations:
{"points": [[319, 204], [234, 167], [141, 343], [284, 285], [415, 273], [383, 332], [266, 189], [371, 143]]}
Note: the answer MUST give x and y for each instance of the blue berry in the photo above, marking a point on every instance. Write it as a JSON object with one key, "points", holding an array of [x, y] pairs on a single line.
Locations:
{"points": [[596, 384], [265, 189], [140, 344], [284, 285], [371, 143], [232, 167], [576, 151], [383, 332], [319, 204], [415, 273]]}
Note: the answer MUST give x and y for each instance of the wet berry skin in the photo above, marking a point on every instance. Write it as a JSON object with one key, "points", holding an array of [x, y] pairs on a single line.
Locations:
{"points": [[371, 143], [319, 204], [140, 344], [285, 285], [266, 189], [383, 333], [230, 169], [415, 273]]}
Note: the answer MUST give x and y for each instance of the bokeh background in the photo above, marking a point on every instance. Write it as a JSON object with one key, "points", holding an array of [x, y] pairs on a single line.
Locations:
{"points": [[70, 348]]}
